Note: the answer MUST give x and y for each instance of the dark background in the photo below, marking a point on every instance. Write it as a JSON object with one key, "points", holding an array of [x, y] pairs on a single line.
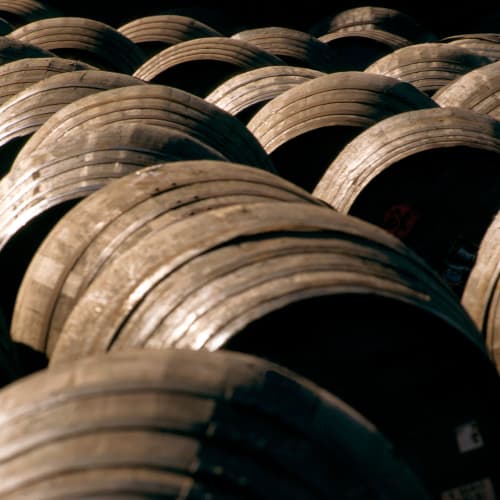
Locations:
{"points": [[441, 18]]}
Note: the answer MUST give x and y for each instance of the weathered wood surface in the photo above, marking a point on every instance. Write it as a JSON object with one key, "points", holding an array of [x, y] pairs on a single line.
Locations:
{"points": [[428, 66], [478, 90], [226, 418], [20, 12], [104, 226], [85, 39], [373, 18], [25, 112], [252, 89], [17, 75], [293, 46], [304, 128], [481, 294], [154, 33], [154, 105], [200, 65]]}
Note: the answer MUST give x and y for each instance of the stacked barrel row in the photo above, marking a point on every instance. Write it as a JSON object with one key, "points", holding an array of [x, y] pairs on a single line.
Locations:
{"points": [[248, 261]]}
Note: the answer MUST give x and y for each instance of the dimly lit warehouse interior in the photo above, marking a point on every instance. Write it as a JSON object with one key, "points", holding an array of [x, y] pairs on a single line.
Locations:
{"points": [[249, 250]]}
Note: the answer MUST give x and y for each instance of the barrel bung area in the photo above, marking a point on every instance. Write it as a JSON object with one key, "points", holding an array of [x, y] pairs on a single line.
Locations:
{"points": [[249, 250]]}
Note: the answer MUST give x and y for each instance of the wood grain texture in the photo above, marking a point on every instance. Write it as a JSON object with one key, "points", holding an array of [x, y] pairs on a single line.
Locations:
{"points": [[105, 225], [428, 66], [477, 90], [90, 40], [195, 407]]}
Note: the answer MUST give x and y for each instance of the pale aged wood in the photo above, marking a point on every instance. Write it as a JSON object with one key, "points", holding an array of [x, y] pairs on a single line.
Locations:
{"points": [[105, 225], [231, 419], [85, 39], [304, 128], [117, 292], [154, 33], [481, 294], [19, 12], [156, 105], [245, 91], [26, 111], [219, 58], [17, 75], [428, 66], [412, 173], [478, 90], [70, 169], [484, 44], [355, 50], [293, 46], [374, 18]]}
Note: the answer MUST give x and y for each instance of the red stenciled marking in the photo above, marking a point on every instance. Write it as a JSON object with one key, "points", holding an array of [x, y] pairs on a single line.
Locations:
{"points": [[400, 220]]}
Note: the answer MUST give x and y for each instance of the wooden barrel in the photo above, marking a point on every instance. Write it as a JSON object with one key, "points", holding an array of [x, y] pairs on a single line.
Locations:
{"points": [[43, 186], [373, 18], [13, 50], [210, 260], [252, 277], [481, 294], [25, 112], [428, 66], [103, 226], [295, 47], [155, 33], [223, 20], [304, 128], [76, 344], [59, 176], [156, 105], [225, 423], [484, 44], [357, 49], [478, 90], [84, 39], [19, 12], [198, 66], [411, 174], [244, 94], [17, 75]]}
